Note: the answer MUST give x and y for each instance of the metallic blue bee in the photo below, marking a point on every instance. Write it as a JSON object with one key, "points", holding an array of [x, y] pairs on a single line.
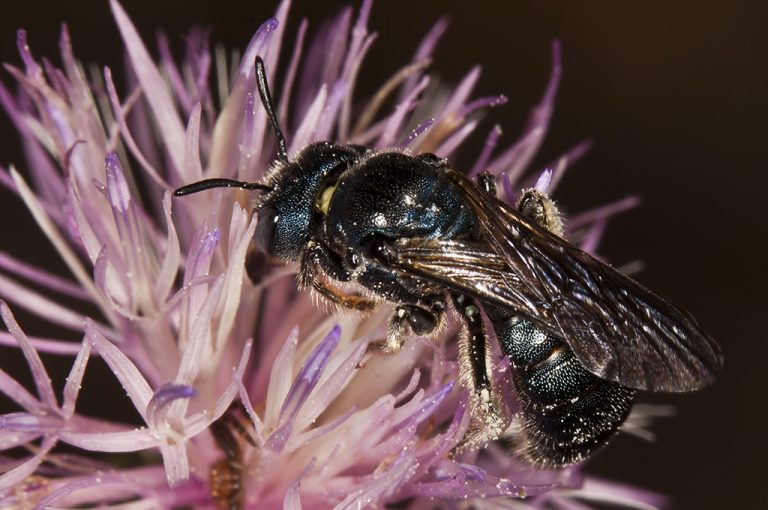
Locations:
{"points": [[581, 337]]}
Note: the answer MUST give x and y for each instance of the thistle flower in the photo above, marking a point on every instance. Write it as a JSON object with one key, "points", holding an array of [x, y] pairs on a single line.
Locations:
{"points": [[324, 420]]}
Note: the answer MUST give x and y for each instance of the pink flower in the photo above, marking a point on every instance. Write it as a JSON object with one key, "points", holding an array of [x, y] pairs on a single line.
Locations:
{"points": [[331, 422]]}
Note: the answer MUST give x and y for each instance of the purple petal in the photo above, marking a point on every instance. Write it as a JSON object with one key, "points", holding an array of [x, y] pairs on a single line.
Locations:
{"points": [[280, 377], [200, 255], [290, 75], [482, 102], [417, 131], [120, 111], [306, 130], [30, 423], [303, 385], [516, 159], [506, 187], [176, 462], [41, 277], [424, 52], [458, 98], [39, 305], [172, 71], [193, 167], [565, 161], [427, 406], [170, 129], [490, 145], [592, 238], [14, 476], [132, 440], [198, 339], [395, 121], [126, 372], [39, 374], [75, 379], [18, 393], [158, 407], [338, 376], [456, 139], [543, 182], [380, 485], [599, 213]]}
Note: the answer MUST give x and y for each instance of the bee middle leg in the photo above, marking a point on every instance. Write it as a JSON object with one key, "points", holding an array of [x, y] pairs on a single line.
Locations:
{"points": [[422, 319]]}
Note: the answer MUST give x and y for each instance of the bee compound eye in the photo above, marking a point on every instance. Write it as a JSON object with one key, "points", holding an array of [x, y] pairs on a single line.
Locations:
{"points": [[265, 229]]}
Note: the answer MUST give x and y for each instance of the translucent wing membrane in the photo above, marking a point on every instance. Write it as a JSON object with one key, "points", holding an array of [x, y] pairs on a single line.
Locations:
{"points": [[618, 329]]}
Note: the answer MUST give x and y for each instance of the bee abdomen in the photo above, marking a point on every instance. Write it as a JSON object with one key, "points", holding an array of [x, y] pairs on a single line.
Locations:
{"points": [[566, 412]]}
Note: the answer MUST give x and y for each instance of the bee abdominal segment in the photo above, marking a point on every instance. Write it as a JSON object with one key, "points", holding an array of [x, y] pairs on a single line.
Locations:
{"points": [[566, 412]]}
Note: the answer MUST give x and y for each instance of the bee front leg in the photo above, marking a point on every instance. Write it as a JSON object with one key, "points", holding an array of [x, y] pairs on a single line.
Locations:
{"points": [[319, 261], [474, 363]]}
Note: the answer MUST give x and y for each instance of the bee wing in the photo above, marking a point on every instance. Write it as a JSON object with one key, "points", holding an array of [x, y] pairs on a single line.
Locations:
{"points": [[618, 329]]}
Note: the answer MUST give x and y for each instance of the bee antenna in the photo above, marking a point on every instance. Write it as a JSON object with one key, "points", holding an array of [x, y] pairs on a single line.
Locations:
{"points": [[269, 107], [218, 183]]}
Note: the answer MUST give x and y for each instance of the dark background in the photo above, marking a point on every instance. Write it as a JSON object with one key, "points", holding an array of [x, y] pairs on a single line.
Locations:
{"points": [[674, 96]]}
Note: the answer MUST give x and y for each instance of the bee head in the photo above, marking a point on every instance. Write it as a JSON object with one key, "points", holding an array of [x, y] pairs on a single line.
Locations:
{"points": [[298, 200]]}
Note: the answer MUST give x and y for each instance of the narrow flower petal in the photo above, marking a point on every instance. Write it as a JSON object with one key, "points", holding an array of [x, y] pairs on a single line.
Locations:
{"points": [[66, 253], [423, 53], [598, 213], [120, 113], [39, 374], [153, 85], [302, 387], [18, 393], [14, 476], [280, 379], [490, 144], [112, 442], [159, 404], [75, 379], [41, 277], [126, 372], [176, 463]]}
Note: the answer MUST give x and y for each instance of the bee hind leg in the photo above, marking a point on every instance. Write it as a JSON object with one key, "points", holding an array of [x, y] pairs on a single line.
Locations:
{"points": [[542, 210], [474, 363]]}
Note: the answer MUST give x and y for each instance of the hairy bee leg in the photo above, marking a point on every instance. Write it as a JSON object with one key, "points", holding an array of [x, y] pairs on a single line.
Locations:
{"points": [[474, 361], [319, 258], [422, 321], [542, 210], [338, 297], [317, 261]]}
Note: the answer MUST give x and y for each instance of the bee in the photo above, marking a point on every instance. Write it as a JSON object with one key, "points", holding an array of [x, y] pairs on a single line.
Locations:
{"points": [[581, 337]]}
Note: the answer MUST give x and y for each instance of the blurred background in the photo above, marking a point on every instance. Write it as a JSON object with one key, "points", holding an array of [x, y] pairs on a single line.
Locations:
{"points": [[673, 94]]}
